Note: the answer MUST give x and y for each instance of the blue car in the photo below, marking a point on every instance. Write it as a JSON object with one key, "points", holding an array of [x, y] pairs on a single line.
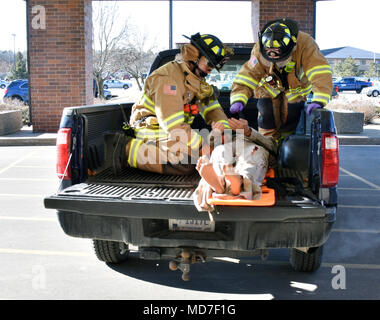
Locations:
{"points": [[17, 90]]}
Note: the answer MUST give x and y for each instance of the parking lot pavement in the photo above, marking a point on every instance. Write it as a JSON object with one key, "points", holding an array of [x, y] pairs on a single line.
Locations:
{"points": [[38, 261]]}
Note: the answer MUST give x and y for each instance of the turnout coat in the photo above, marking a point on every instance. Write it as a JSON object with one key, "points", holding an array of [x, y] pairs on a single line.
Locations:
{"points": [[160, 119], [305, 71]]}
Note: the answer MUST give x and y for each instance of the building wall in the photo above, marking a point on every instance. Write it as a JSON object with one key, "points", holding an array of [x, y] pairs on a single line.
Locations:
{"points": [[300, 10], [60, 59], [60, 55]]}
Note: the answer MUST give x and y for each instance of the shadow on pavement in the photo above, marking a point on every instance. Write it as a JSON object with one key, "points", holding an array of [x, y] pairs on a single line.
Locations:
{"points": [[271, 279]]}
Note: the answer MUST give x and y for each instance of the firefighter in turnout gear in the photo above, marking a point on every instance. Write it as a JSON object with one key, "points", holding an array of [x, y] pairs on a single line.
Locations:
{"points": [[286, 65], [174, 95]]}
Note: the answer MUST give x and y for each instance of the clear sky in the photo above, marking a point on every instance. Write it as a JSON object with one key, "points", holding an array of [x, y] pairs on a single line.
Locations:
{"points": [[339, 22]]}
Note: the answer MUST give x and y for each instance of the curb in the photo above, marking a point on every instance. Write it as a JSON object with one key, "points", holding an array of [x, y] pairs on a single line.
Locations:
{"points": [[27, 142], [359, 141]]}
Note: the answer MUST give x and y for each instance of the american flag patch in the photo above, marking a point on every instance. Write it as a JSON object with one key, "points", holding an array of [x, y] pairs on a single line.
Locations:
{"points": [[170, 89], [253, 61]]}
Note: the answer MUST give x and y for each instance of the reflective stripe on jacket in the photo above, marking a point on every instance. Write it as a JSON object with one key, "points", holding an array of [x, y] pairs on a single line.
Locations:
{"points": [[166, 92], [308, 70]]}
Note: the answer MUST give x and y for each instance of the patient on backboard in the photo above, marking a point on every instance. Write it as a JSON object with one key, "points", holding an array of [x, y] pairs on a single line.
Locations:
{"points": [[236, 168]]}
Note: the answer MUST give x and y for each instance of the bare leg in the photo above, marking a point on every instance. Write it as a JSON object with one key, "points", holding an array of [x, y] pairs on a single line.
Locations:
{"points": [[234, 179], [207, 172]]}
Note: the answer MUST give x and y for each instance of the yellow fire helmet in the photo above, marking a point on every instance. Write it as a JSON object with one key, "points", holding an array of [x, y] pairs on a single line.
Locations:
{"points": [[212, 48], [277, 39]]}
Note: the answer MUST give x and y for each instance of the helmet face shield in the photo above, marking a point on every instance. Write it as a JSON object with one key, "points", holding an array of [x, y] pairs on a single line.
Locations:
{"points": [[273, 53], [278, 39]]}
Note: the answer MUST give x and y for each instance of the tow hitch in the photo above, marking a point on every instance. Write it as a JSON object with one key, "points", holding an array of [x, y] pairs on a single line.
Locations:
{"points": [[184, 260]]}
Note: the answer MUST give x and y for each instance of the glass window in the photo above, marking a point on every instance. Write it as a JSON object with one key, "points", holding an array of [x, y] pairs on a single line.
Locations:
{"points": [[223, 79]]}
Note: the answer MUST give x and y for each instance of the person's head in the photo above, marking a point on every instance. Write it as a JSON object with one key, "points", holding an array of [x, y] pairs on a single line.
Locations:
{"points": [[277, 39], [212, 53]]}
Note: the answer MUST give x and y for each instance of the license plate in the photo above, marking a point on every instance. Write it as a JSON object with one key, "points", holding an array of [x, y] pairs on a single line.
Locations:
{"points": [[191, 225]]}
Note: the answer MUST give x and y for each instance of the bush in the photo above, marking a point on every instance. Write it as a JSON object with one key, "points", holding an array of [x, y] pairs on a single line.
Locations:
{"points": [[9, 105], [368, 107]]}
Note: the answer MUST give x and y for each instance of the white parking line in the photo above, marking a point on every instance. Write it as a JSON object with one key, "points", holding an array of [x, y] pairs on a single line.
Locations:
{"points": [[28, 179], [323, 264], [40, 167], [360, 178], [352, 265], [357, 207], [45, 252], [19, 160], [361, 145], [355, 189], [28, 218], [17, 195], [356, 230]]}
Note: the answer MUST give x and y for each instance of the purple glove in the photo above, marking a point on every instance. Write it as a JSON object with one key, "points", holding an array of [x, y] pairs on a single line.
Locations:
{"points": [[312, 106], [236, 107]]}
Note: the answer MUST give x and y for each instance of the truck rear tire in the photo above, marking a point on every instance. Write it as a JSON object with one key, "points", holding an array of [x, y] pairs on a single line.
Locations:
{"points": [[306, 262], [111, 251], [359, 90]]}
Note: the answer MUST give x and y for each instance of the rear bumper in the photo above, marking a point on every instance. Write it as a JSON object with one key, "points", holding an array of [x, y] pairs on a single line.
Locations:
{"points": [[145, 223]]}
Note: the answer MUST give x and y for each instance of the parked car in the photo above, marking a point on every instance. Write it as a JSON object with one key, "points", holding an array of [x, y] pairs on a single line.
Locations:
{"points": [[3, 84], [107, 93], [351, 83], [224, 85], [373, 91], [17, 90], [116, 84]]}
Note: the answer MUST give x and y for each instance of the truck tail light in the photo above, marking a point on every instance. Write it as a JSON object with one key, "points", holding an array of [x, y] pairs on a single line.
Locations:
{"points": [[330, 160], [63, 153], [6, 91]]}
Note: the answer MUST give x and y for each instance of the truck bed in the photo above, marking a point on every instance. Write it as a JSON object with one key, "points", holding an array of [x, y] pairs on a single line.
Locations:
{"points": [[144, 196], [136, 208]]}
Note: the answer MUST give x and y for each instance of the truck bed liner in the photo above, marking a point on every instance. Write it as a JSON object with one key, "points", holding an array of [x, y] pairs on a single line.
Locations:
{"points": [[132, 176]]}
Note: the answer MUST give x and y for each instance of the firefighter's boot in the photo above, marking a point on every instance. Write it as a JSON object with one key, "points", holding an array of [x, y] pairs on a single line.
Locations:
{"points": [[115, 151]]}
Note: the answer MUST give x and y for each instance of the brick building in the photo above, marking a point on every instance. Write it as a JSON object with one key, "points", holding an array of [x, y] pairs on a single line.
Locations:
{"points": [[60, 51]]}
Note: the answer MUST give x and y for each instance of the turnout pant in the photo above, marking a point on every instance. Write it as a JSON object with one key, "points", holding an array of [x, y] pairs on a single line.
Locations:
{"points": [[161, 156], [277, 116]]}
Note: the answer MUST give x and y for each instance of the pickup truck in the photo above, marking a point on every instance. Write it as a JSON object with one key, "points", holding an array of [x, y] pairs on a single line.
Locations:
{"points": [[351, 84], [155, 214]]}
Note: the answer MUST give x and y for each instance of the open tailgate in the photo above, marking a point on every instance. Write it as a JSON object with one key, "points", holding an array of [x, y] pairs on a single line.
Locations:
{"points": [[137, 194]]}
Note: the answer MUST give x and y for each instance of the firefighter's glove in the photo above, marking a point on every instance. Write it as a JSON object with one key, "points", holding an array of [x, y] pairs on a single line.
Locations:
{"points": [[312, 106], [236, 107]]}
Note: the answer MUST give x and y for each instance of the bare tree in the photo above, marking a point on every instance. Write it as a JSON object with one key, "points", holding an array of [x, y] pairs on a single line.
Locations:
{"points": [[107, 36], [6, 63], [136, 56]]}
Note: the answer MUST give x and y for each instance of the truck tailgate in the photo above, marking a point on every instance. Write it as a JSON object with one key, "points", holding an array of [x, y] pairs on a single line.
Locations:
{"points": [[151, 195]]}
